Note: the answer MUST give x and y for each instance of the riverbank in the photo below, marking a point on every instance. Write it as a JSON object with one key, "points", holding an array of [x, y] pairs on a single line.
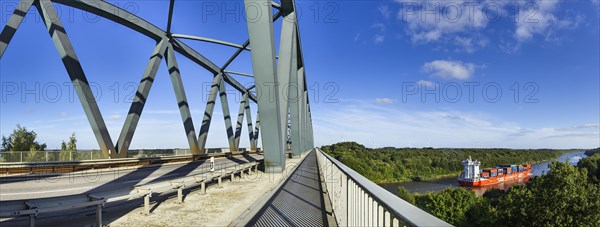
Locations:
{"points": [[441, 183], [395, 165]]}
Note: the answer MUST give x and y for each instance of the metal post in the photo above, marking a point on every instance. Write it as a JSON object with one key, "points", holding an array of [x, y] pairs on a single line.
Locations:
{"points": [[180, 195], [219, 182], [147, 204], [32, 220], [203, 188], [99, 215], [21, 156]]}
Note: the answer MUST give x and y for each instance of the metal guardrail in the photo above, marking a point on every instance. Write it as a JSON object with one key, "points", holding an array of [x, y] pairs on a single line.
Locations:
{"points": [[32, 208], [69, 166], [357, 201], [86, 155]]}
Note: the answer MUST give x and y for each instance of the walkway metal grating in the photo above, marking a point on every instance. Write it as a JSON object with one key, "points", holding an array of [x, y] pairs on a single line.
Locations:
{"points": [[299, 202]]}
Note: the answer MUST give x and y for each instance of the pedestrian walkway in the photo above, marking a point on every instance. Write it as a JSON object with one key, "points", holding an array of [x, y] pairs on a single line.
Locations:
{"points": [[299, 201]]}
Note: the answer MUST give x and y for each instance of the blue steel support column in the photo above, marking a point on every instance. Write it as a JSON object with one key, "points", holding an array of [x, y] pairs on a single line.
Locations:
{"points": [[184, 108], [78, 78], [13, 24], [260, 30]]}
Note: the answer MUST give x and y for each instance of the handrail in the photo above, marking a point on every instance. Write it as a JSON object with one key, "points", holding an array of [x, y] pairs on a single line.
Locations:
{"points": [[358, 201]]}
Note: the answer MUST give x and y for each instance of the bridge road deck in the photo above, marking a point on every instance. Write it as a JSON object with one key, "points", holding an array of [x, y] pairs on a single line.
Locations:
{"points": [[299, 201]]}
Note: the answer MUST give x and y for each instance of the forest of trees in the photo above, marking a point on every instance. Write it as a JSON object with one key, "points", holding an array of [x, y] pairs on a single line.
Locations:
{"points": [[566, 196], [386, 165]]}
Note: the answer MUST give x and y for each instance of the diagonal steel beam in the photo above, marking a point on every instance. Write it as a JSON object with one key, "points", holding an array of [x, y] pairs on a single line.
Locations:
{"points": [[78, 78], [250, 130], [240, 120], [208, 112], [184, 108], [170, 19], [256, 130], [127, 19], [209, 40], [226, 116], [137, 106], [13, 23]]}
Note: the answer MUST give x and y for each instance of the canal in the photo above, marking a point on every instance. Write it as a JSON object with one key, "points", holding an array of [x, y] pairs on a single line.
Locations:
{"points": [[422, 187]]}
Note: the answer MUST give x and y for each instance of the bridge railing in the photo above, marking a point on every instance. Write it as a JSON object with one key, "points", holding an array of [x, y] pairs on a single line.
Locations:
{"points": [[90, 155], [358, 201]]}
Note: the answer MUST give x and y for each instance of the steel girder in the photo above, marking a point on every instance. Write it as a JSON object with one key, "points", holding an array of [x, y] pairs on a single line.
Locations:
{"points": [[285, 73]]}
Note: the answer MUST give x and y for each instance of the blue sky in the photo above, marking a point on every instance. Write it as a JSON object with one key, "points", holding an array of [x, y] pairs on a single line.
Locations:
{"points": [[382, 73]]}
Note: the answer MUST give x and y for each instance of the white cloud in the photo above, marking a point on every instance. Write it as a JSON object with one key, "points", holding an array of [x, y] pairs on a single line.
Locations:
{"points": [[425, 83], [470, 44], [378, 39], [114, 117], [379, 125], [379, 26], [452, 17], [580, 127], [385, 11], [463, 23], [449, 69], [384, 101]]}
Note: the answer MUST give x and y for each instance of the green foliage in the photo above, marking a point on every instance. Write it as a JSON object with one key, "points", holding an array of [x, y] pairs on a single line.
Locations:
{"points": [[592, 165], [563, 197], [405, 195], [404, 164], [592, 151], [67, 150], [450, 205], [22, 140]]}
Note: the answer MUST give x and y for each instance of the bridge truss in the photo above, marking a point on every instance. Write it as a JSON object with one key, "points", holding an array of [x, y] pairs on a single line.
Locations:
{"points": [[283, 73]]}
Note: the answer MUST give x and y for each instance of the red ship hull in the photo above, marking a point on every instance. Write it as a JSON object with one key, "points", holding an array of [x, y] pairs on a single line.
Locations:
{"points": [[493, 180]]}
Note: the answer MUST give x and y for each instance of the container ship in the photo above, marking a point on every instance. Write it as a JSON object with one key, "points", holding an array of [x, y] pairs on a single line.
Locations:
{"points": [[472, 176]]}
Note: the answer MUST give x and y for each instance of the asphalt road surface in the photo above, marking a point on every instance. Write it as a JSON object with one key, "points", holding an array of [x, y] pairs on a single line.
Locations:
{"points": [[102, 180]]}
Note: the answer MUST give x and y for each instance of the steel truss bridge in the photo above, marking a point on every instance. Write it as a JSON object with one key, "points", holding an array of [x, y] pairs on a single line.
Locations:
{"points": [[285, 123]]}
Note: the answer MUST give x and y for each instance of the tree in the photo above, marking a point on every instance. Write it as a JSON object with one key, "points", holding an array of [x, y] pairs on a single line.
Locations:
{"points": [[68, 150], [563, 197], [592, 165], [22, 140], [450, 205], [404, 194]]}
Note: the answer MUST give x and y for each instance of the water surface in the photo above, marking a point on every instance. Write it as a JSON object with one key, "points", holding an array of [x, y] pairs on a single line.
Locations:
{"points": [[537, 169]]}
